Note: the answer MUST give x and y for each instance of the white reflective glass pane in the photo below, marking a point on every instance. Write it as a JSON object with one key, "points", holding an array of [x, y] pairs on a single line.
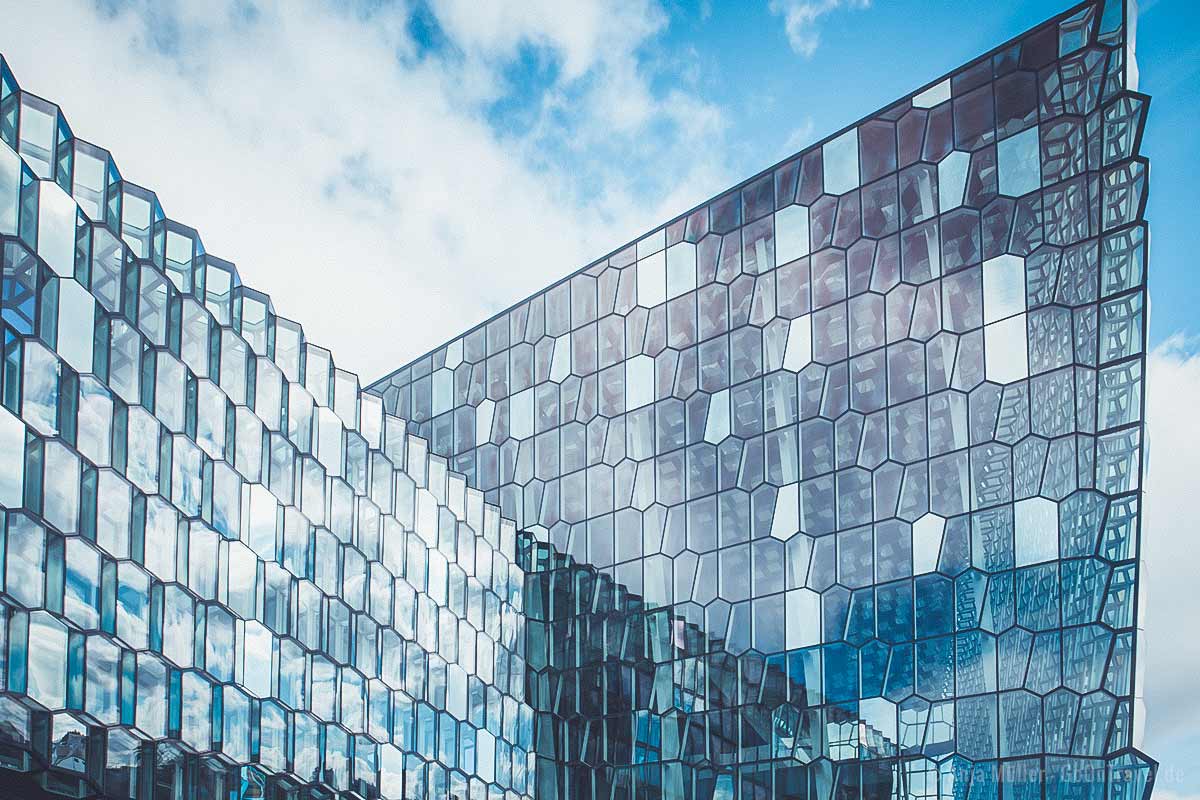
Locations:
{"points": [[933, 96], [652, 280], [133, 605], [39, 404], [560, 364], [484, 413], [60, 487], [160, 538], [785, 523], [841, 163], [94, 427], [113, 496], [12, 465], [952, 180], [25, 561], [927, 543], [196, 719], [170, 391], [681, 268], [639, 382], [1017, 163], [56, 228], [791, 234], [47, 678], [1003, 287], [103, 669], [802, 618], [151, 695], [1006, 354], [651, 243], [716, 427], [520, 414], [1036, 525], [236, 717], [10, 189], [89, 180], [142, 449], [179, 626], [799, 351], [256, 652], [76, 325]]}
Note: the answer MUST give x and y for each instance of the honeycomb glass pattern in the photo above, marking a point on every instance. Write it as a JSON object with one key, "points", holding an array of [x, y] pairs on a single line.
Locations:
{"points": [[226, 572], [830, 488]]}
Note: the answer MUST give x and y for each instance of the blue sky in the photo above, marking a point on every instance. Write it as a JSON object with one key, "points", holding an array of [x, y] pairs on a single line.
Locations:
{"points": [[738, 56], [393, 171]]}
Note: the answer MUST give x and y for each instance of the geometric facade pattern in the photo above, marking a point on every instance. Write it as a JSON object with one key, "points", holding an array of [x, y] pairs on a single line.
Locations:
{"points": [[831, 486], [227, 573], [827, 489]]}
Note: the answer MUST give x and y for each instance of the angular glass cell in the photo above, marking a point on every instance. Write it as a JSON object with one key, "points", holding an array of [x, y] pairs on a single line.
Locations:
{"points": [[1017, 163], [60, 487], [652, 280], [1006, 349], [799, 351], [791, 233], [927, 538], [681, 269], [785, 522], [933, 96], [57, 216], [137, 219], [10, 190], [90, 178], [40, 388], [716, 428], [840, 158], [103, 689], [1036, 526], [1003, 287], [952, 180], [639, 382], [47, 667], [39, 134], [76, 325], [12, 467], [25, 560]]}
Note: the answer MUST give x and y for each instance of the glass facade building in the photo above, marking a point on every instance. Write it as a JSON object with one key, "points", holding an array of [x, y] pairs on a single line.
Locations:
{"points": [[227, 573], [829, 488]]}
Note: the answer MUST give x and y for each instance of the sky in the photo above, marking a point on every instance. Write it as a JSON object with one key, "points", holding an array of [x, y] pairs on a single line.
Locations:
{"points": [[392, 173]]}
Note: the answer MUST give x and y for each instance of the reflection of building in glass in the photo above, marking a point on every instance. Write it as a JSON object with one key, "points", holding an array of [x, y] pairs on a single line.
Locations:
{"points": [[826, 489]]}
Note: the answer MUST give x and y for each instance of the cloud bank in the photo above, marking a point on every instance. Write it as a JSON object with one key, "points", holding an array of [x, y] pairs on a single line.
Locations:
{"points": [[358, 162], [801, 19]]}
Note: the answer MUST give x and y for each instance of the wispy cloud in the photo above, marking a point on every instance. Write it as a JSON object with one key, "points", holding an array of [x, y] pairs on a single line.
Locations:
{"points": [[801, 19], [355, 165], [800, 137]]}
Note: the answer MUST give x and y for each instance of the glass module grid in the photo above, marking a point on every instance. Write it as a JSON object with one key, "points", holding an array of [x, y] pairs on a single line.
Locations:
{"points": [[226, 572], [831, 487]]}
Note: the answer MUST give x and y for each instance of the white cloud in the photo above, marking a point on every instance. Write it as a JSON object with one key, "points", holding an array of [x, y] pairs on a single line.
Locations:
{"points": [[591, 33], [800, 137], [801, 18], [361, 177], [1170, 649]]}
